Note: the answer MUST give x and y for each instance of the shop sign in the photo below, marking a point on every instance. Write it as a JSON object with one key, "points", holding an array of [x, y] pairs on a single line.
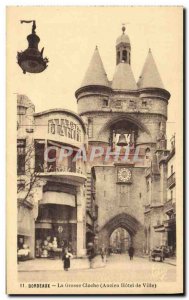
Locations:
{"points": [[65, 127], [60, 229]]}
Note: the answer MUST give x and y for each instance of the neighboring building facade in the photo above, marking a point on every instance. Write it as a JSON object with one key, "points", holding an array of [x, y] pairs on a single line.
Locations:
{"points": [[51, 193], [170, 205], [165, 229]]}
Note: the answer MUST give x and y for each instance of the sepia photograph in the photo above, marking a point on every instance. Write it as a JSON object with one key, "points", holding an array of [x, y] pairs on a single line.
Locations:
{"points": [[94, 150]]}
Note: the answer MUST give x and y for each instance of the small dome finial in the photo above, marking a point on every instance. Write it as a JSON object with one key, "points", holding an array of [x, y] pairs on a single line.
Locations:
{"points": [[150, 50], [123, 28]]}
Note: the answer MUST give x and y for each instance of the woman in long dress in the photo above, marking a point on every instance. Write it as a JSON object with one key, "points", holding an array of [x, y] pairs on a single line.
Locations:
{"points": [[66, 259]]}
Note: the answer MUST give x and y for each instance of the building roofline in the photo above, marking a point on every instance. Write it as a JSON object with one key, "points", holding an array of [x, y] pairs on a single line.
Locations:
{"points": [[62, 110], [154, 89], [129, 91], [100, 87]]}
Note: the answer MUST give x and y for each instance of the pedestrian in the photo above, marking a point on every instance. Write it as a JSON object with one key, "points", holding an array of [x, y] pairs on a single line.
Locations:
{"points": [[131, 252], [66, 258], [103, 252], [91, 254]]}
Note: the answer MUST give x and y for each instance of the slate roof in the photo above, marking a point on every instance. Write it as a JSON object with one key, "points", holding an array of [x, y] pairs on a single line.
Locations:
{"points": [[123, 78], [150, 77], [95, 74]]}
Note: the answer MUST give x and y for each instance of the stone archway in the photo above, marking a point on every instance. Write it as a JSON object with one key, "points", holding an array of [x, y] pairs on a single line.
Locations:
{"points": [[123, 117], [128, 222]]}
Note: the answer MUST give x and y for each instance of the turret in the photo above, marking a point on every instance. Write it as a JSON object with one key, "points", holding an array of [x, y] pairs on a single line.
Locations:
{"points": [[150, 83], [123, 79], [152, 92], [95, 88], [123, 48]]}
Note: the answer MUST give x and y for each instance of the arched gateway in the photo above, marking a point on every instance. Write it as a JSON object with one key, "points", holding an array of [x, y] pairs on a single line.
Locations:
{"points": [[128, 222]]}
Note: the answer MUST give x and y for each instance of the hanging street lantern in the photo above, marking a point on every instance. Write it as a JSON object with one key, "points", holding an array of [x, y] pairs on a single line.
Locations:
{"points": [[31, 60]]}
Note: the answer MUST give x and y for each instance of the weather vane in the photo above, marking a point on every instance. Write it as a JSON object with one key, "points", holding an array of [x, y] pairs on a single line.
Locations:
{"points": [[31, 60]]}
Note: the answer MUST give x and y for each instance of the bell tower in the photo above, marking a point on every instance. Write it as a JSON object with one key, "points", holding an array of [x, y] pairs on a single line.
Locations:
{"points": [[123, 48], [131, 115]]}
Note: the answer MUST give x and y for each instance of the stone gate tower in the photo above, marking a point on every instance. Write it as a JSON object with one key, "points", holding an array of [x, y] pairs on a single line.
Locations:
{"points": [[130, 115]]}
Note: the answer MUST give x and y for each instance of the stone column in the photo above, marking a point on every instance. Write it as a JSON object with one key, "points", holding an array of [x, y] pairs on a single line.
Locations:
{"points": [[32, 238], [81, 226], [37, 196]]}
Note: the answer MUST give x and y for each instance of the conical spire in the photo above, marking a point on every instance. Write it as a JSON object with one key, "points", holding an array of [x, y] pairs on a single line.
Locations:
{"points": [[95, 74], [150, 77], [123, 78]]}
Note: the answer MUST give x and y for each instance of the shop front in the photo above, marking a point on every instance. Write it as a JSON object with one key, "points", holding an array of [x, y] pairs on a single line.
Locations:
{"points": [[25, 231], [55, 228], [57, 224]]}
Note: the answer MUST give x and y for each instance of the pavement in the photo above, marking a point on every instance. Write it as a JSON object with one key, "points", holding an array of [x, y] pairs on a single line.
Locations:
{"points": [[46, 264], [118, 268]]}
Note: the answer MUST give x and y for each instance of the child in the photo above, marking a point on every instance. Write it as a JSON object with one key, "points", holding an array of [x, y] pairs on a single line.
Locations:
{"points": [[66, 258]]}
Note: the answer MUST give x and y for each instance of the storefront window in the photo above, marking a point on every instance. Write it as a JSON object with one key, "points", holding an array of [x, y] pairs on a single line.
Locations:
{"points": [[39, 156], [58, 159], [51, 160], [55, 229]]}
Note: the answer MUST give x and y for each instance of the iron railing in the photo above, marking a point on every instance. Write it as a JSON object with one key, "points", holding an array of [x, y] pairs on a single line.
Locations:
{"points": [[171, 181]]}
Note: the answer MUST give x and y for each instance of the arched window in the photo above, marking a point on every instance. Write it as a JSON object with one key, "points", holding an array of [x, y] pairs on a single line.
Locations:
{"points": [[124, 55], [147, 153]]}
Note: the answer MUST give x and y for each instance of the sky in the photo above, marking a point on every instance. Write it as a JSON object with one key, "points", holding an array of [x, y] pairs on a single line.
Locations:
{"points": [[70, 35]]}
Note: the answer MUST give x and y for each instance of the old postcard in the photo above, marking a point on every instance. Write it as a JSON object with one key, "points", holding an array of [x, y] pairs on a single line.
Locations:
{"points": [[94, 150]]}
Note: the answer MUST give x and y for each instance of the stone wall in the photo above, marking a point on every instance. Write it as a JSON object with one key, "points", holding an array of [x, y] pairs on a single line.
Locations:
{"points": [[114, 198]]}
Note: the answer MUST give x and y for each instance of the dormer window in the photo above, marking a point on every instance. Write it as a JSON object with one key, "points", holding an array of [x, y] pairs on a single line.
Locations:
{"points": [[105, 102], [118, 104], [144, 103], [132, 103]]}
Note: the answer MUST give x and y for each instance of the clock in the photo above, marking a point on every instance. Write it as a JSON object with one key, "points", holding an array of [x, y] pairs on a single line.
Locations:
{"points": [[124, 175]]}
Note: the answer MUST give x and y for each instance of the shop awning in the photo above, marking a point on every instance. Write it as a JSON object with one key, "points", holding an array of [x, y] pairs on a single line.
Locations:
{"points": [[73, 178], [43, 225], [60, 198]]}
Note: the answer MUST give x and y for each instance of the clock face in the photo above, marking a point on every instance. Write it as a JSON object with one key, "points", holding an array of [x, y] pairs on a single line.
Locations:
{"points": [[124, 175]]}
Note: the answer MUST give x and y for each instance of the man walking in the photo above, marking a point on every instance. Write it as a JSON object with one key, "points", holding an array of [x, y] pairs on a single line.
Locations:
{"points": [[131, 252]]}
